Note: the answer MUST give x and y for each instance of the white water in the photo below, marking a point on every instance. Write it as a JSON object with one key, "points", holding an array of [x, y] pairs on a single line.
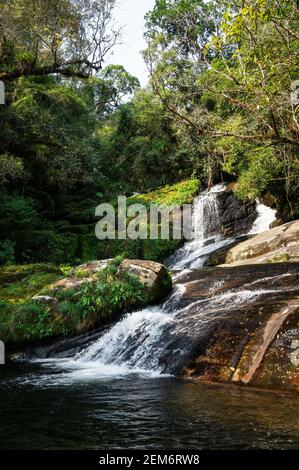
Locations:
{"points": [[266, 217], [206, 232], [129, 347], [133, 345]]}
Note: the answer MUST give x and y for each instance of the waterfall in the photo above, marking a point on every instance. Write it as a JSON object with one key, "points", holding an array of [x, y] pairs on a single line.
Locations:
{"points": [[266, 217], [131, 346], [206, 227], [206, 219], [137, 343]]}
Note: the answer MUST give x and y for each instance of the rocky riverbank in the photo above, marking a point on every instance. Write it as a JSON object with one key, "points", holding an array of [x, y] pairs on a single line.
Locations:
{"points": [[242, 320], [238, 325], [90, 296], [279, 244], [234, 323]]}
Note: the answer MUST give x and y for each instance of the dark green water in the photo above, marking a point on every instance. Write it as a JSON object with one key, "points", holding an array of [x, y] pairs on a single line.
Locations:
{"points": [[140, 412]]}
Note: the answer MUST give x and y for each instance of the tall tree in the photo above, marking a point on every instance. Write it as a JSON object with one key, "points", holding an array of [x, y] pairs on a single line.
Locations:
{"points": [[66, 37], [224, 70]]}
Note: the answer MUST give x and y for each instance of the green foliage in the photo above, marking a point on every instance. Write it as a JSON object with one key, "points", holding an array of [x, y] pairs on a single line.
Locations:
{"points": [[31, 320], [114, 85], [80, 273], [111, 293], [65, 269], [7, 252], [67, 37], [45, 246], [11, 168], [156, 250], [19, 283], [185, 23], [72, 315], [224, 71], [262, 167], [73, 244], [217, 108], [95, 303], [54, 130], [6, 310], [140, 148], [17, 213], [283, 258], [170, 195]]}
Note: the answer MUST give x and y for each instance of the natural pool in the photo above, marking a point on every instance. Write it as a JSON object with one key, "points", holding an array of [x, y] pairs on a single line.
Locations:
{"points": [[38, 410]]}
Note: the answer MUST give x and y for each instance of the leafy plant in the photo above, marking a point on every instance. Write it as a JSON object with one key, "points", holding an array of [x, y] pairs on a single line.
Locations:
{"points": [[30, 321], [7, 252]]}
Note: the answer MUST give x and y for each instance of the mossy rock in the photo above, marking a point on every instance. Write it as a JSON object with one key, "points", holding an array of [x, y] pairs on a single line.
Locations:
{"points": [[91, 296], [170, 195], [282, 258], [20, 283], [9, 274], [154, 277]]}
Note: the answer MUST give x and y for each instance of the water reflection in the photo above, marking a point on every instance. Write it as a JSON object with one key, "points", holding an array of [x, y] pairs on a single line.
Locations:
{"points": [[144, 413]]}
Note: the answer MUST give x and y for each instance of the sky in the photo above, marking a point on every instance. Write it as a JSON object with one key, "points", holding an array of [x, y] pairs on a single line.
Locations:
{"points": [[130, 14]]}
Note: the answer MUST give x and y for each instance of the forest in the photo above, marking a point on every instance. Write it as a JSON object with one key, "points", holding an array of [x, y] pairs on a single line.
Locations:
{"points": [[221, 105], [149, 339]]}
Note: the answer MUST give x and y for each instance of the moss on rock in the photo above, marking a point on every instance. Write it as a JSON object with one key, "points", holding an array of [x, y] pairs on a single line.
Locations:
{"points": [[92, 295]]}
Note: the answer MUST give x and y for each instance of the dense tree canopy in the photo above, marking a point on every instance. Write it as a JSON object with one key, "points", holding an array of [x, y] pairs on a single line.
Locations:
{"points": [[74, 132], [224, 70], [67, 37]]}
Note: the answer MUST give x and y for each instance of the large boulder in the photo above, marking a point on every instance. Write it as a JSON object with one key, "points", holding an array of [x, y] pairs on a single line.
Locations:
{"points": [[85, 302], [276, 245], [237, 217], [237, 325], [153, 276]]}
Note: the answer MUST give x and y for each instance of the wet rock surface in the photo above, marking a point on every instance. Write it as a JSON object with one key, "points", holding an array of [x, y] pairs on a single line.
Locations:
{"points": [[237, 325], [64, 348], [219, 256], [236, 216]]}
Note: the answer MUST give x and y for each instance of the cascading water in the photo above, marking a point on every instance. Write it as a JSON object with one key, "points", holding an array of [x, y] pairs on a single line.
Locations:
{"points": [[206, 219], [206, 233], [137, 343], [133, 345], [266, 217]]}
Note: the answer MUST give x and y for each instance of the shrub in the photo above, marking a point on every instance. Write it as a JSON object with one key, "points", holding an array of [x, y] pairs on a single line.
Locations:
{"points": [[31, 321], [18, 213], [7, 252]]}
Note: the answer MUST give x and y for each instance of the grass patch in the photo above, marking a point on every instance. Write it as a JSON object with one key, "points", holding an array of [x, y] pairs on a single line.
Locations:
{"points": [[283, 258], [78, 310], [19, 315], [19, 283], [171, 195], [155, 250]]}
